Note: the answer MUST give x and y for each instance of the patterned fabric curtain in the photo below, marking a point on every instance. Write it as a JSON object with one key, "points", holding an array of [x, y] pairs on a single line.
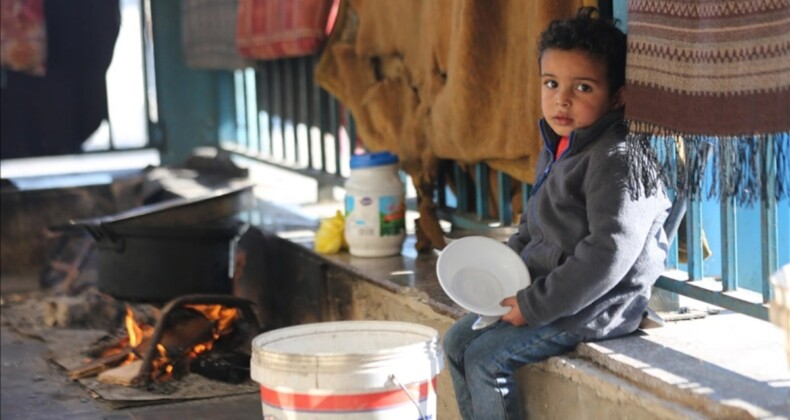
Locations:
{"points": [[208, 34], [710, 77]]}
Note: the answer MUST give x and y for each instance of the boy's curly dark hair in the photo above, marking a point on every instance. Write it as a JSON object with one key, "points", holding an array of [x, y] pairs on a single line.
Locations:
{"points": [[597, 36]]}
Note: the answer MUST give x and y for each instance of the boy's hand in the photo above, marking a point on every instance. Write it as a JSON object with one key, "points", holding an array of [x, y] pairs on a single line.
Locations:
{"points": [[513, 317]]}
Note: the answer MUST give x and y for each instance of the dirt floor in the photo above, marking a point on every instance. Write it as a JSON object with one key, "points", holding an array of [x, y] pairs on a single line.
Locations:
{"points": [[34, 383]]}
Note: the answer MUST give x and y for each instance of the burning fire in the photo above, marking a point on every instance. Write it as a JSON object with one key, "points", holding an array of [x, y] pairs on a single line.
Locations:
{"points": [[134, 331], [222, 316], [219, 321]]}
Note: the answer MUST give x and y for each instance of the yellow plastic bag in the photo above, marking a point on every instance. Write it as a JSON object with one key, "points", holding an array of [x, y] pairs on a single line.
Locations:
{"points": [[330, 237]]}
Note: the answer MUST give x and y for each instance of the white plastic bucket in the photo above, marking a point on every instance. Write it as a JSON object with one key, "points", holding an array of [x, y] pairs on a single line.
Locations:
{"points": [[348, 370]]}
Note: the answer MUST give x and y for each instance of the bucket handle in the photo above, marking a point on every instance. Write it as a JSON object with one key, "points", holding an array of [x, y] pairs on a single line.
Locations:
{"points": [[398, 383]]}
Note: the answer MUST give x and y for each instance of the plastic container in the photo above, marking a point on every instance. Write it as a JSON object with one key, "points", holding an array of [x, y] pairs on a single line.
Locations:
{"points": [[375, 206], [477, 272], [348, 370]]}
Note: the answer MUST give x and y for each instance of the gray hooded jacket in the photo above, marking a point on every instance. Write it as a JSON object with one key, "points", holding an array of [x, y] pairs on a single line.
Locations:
{"points": [[592, 251]]}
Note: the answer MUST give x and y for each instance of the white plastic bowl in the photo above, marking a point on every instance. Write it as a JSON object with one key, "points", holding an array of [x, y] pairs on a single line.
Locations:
{"points": [[478, 272]]}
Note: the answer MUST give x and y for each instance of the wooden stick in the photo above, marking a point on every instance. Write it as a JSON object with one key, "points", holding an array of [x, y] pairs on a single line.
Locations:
{"points": [[121, 375], [99, 365]]}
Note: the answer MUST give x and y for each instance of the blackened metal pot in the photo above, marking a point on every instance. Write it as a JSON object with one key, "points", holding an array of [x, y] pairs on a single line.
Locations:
{"points": [[159, 263]]}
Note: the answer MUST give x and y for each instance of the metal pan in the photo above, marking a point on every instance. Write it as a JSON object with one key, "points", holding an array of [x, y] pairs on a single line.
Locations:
{"points": [[219, 204]]}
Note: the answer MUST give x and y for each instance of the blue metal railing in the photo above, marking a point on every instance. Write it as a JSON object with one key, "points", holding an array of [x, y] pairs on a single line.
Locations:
{"points": [[284, 119]]}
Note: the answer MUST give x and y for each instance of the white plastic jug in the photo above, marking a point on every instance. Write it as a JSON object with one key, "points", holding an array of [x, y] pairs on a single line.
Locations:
{"points": [[375, 224]]}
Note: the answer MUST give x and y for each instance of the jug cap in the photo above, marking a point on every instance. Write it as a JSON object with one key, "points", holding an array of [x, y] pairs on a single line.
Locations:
{"points": [[369, 160]]}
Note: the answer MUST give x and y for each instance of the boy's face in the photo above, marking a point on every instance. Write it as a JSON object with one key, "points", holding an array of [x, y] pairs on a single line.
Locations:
{"points": [[574, 91]]}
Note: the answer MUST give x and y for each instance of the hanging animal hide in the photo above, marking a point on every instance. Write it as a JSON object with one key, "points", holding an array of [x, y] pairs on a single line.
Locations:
{"points": [[442, 79]]}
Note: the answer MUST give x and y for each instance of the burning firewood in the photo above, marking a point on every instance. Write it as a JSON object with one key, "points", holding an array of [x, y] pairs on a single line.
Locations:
{"points": [[107, 344], [179, 344], [99, 365], [121, 375], [112, 350], [187, 332], [194, 336], [169, 350]]}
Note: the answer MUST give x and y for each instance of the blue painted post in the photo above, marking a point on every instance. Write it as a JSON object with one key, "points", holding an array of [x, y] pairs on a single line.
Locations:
{"points": [[156, 135], [481, 190], [265, 111], [275, 111], [503, 199], [694, 238], [334, 129], [289, 105], [251, 99], [186, 98], [227, 107], [462, 199], [673, 260], [441, 187], [351, 128], [768, 221], [302, 108], [296, 104], [309, 118], [241, 108], [729, 236], [322, 113], [318, 114], [284, 95]]}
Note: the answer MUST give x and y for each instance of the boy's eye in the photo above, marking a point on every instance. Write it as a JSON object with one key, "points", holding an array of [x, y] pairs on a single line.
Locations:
{"points": [[551, 84], [584, 88]]}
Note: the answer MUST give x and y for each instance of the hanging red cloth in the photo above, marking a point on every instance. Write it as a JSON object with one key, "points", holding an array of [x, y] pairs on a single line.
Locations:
{"points": [[23, 36], [272, 29]]}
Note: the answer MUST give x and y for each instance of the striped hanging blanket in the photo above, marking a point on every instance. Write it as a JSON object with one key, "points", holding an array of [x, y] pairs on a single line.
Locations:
{"points": [[710, 78]]}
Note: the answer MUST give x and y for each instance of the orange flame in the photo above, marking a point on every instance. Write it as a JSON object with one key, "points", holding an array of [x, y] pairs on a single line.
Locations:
{"points": [[133, 330], [162, 368], [221, 317]]}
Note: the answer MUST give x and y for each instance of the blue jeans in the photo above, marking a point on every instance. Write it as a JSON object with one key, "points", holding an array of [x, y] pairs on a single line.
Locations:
{"points": [[482, 363]]}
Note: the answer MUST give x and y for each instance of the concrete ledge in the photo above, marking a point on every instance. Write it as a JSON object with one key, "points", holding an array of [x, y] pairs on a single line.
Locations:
{"points": [[723, 366], [569, 387]]}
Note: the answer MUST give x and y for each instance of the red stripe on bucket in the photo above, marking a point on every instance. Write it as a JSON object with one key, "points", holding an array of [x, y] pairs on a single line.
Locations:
{"points": [[346, 402]]}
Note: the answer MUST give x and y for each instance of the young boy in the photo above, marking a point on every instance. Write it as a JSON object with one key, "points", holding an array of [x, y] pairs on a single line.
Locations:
{"points": [[592, 251]]}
